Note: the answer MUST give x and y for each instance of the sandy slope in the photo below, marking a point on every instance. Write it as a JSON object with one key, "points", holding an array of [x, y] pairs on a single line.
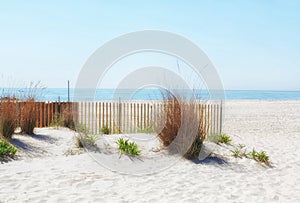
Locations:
{"points": [[44, 173]]}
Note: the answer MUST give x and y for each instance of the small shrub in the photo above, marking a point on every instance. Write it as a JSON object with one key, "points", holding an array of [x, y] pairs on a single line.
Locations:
{"points": [[7, 150], [105, 130], [127, 147]]}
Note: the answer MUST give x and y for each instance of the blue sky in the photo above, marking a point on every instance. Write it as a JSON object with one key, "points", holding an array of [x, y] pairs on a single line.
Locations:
{"points": [[254, 44]]}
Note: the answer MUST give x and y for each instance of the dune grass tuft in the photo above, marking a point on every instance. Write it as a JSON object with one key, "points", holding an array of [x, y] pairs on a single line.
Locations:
{"points": [[28, 117], [183, 131], [8, 117]]}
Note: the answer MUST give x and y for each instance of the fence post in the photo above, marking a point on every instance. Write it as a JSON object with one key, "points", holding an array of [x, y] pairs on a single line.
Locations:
{"points": [[221, 116], [119, 115], [58, 107]]}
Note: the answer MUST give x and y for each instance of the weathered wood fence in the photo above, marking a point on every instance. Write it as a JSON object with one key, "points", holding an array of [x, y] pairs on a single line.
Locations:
{"points": [[46, 112], [135, 116], [121, 116]]}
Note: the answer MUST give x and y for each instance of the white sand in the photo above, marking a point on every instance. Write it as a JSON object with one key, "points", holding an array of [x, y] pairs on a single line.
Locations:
{"points": [[44, 173]]}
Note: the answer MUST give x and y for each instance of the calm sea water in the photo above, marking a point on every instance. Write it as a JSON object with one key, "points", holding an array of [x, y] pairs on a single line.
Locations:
{"points": [[53, 94]]}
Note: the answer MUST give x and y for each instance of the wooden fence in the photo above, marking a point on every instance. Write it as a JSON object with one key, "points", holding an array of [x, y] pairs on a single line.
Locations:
{"points": [[135, 116], [120, 116], [46, 112]]}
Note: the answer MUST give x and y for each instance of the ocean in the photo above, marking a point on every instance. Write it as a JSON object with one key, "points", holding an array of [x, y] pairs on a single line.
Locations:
{"points": [[55, 94]]}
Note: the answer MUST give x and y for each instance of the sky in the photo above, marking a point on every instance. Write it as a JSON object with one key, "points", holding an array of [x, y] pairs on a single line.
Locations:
{"points": [[253, 44]]}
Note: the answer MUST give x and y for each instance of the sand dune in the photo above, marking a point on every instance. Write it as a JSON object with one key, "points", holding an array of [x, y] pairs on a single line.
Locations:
{"points": [[43, 173]]}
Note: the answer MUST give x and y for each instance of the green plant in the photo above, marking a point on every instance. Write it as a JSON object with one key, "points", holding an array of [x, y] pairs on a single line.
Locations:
{"points": [[127, 147], [260, 156], [105, 130], [91, 140], [219, 138], [223, 138], [235, 153], [86, 140], [7, 150], [239, 152]]}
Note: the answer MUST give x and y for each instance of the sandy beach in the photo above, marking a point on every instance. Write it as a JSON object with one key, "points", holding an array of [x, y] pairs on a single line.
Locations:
{"points": [[44, 173]]}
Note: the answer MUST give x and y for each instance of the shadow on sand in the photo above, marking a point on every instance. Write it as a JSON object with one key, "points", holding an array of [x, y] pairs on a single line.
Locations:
{"points": [[45, 138], [28, 148], [211, 160]]}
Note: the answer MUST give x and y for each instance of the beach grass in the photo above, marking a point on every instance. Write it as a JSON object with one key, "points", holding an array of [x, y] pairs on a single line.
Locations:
{"points": [[18, 109], [8, 117], [28, 117], [183, 131]]}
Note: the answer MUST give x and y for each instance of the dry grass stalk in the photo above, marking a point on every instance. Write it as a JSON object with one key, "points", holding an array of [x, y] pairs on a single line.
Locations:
{"points": [[8, 117], [28, 116], [183, 132], [68, 119]]}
